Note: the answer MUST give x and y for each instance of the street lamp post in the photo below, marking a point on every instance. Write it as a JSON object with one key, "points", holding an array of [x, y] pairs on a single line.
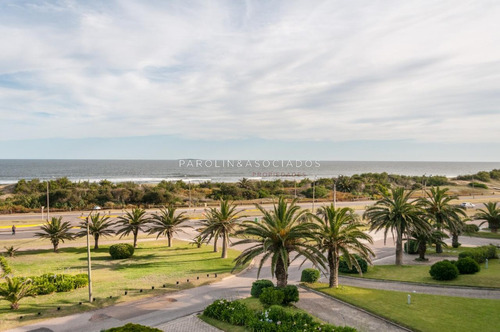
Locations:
{"points": [[48, 205], [335, 193], [314, 189]]}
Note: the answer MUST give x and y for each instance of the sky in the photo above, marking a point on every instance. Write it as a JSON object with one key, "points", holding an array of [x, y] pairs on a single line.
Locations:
{"points": [[327, 80]]}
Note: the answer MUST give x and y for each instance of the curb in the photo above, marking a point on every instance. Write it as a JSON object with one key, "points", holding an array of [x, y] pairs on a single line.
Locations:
{"points": [[388, 321], [386, 281]]}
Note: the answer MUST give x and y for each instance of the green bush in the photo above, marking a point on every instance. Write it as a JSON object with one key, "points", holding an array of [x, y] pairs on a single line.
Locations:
{"points": [[291, 293], [270, 296], [42, 285], [344, 267], [233, 312], [413, 247], [309, 275], [121, 250], [478, 185], [81, 280], [64, 284], [480, 254], [444, 270], [467, 266], [471, 228], [259, 285], [132, 328], [5, 267]]}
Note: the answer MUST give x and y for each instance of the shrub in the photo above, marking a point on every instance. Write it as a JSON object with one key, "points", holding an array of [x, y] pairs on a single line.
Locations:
{"points": [[42, 285], [344, 267], [235, 312], [444, 270], [5, 266], [480, 254], [471, 228], [259, 285], [291, 293], [132, 328], [413, 247], [121, 251], [309, 275], [64, 283], [270, 296], [81, 280], [467, 266], [478, 185]]}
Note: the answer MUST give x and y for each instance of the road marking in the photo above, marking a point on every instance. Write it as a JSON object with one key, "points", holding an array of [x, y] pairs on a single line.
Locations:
{"points": [[21, 226]]}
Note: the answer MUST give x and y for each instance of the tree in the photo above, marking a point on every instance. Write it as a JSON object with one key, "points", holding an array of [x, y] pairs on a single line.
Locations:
{"points": [[491, 215], [443, 214], [276, 236], [14, 290], [197, 241], [220, 222], [56, 231], [340, 233], [425, 238], [167, 223], [395, 213], [98, 227], [132, 222]]}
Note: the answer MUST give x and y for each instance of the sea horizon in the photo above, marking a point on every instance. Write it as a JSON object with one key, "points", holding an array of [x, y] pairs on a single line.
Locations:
{"points": [[220, 170]]}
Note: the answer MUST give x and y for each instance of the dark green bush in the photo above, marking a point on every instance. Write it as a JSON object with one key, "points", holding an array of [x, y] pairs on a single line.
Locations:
{"points": [[444, 270], [478, 185], [480, 254], [270, 296], [309, 275], [121, 250], [132, 328], [64, 283], [413, 247], [233, 312], [471, 228], [344, 267], [259, 285], [42, 285], [291, 293], [467, 266]]}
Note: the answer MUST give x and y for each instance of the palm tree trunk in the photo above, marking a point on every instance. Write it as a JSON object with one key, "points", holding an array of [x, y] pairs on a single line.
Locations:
{"points": [[169, 237], [135, 239], [55, 243], [454, 240], [439, 247], [399, 250], [281, 274], [422, 248], [14, 306], [333, 264], [215, 244], [96, 241], [224, 245]]}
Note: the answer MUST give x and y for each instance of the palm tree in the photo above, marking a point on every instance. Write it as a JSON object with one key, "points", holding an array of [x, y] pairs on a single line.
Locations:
{"points": [[425, 238], [56, 231], [491, 215], [98, 227], [276, 236], [220, 222], [132, 222], [11, 251], [396, 214], [443, 214], [167, 223], [14, 290], [340, 233], [197, 241]]}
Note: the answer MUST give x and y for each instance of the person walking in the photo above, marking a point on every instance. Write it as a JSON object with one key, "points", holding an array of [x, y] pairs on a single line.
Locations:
{"points": [[13, 230]]}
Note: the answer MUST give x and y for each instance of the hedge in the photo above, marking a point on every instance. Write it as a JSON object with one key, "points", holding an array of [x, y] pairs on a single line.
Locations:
{"points": [[259, 285], [344, 267], [480, 254], [132, 328], [467, 266]]}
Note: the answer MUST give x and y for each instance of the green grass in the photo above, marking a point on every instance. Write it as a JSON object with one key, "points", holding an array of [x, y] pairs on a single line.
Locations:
{"points": [[153, 264], [420, 273], [426, 312], [486, 235]]}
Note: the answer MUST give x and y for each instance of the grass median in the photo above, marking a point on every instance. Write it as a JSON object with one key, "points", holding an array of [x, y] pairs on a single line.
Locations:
{"points": [[420, 274], [429, 313], [153, 264]]}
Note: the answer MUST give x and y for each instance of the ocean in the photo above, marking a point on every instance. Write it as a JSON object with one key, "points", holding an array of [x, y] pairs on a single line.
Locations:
{"points": [[153, 171]]}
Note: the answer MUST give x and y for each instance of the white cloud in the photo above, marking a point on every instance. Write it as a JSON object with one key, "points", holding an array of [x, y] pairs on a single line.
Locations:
{"points": [[290, 70]]}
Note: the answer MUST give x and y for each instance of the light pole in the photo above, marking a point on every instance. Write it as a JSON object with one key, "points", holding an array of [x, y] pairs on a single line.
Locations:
{"points": [[334, 193], [48, 205], [42, 212], [314, 189], [89, 264]]}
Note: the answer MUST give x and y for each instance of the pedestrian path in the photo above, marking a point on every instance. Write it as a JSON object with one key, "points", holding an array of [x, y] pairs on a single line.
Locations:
{"points": [[189, 323]]}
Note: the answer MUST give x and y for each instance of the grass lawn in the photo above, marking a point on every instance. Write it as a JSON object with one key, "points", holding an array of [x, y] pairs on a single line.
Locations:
{"points": [[153, 264], [426, 312], [420, 273], [486, 235], [253, 304]]}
